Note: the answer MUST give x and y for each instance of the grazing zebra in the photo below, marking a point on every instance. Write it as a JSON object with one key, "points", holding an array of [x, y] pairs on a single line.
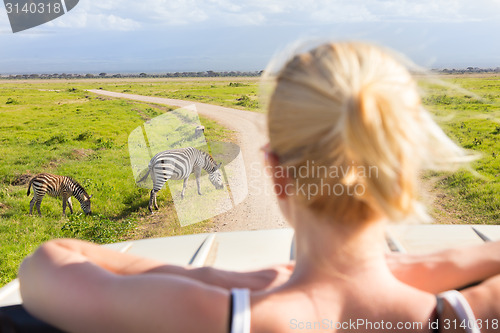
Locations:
{"points": [[53, 185], [179, 164]]}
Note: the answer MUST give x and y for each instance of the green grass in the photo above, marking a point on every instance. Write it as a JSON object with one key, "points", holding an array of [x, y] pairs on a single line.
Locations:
{"points": [[471, 116], [58, 127]]}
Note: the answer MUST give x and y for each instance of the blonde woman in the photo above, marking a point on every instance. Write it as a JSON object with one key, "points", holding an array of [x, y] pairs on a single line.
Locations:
{"points": [[341, 106]]}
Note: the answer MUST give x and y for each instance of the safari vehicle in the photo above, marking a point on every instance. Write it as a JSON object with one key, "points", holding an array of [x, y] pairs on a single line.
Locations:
{"points": [[249, 250]]}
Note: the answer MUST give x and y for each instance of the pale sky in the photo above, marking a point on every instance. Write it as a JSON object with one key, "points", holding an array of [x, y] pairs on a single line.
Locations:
{"points": [[223, 35]]}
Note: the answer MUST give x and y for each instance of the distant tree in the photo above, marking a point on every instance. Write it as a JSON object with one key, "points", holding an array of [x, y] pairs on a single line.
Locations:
{"points": [[102, 74]]}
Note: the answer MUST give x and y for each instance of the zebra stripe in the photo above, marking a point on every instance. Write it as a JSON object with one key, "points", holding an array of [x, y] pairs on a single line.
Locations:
{"points": [[57, 186], [178, 164]]}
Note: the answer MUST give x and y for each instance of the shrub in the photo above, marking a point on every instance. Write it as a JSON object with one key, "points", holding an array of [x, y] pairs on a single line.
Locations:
{"points": [[56, 139], [84, 136], [11, 101], [105, 143], [237, 84], [246, 101]]}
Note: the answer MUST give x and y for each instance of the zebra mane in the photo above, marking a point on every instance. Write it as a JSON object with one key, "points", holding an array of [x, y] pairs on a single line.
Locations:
{"points": [[209, 156], [77, 184], [210, 164]]}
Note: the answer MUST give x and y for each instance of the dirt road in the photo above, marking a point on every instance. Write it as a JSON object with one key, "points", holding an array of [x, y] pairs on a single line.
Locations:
{"points": [[259, 210]]}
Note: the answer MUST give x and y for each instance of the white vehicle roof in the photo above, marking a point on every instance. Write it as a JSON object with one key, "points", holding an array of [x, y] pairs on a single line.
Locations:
{"points": [[248, 250]]}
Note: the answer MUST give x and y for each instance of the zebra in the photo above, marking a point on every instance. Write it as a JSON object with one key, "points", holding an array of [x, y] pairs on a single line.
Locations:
{"points": [[178, 164], [54, 185]]}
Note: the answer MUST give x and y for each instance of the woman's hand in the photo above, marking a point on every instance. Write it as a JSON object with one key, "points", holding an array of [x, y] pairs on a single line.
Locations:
{"points": [[263, 279], [271, 277], [448, 269]]}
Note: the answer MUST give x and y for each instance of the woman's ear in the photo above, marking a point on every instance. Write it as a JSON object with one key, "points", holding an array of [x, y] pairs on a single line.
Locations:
{"points": [[279, 175]]}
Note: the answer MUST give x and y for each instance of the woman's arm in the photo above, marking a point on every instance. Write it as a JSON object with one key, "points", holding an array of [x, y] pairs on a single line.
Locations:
{"points": [[457, 269], [449, 269], [75, 291], [128, 264]]}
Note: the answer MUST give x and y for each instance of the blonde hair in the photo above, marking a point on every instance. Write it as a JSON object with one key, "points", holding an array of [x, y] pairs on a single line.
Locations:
{"points": [[350, 107]]}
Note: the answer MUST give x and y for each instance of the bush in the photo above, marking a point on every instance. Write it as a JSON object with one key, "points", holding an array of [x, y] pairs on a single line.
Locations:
{"points": [[56, 139], [105, 143], [11, 101], [246, 101], [237, 84], [84, 136]]}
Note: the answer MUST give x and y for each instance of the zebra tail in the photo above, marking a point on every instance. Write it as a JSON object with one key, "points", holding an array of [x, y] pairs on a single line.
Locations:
{"points": [[145, 176], [29, 186]]}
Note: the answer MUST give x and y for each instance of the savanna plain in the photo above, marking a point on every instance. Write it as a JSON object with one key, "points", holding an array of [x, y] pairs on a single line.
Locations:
{"points": [[56, 126]]}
